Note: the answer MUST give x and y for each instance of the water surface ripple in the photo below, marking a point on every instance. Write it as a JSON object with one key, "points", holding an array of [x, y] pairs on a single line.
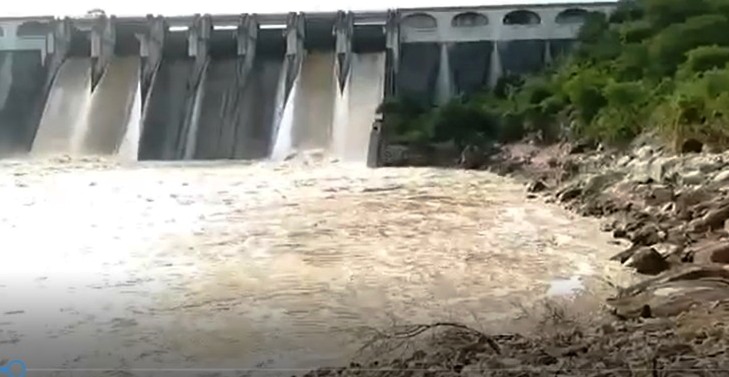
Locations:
{"points": [[262, 265]]}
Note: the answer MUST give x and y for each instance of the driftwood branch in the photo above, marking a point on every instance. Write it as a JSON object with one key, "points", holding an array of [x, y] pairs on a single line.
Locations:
{"points": [[416, 330]]}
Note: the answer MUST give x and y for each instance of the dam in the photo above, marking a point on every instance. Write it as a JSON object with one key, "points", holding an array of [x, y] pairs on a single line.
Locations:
{"points": [[254, 86]]}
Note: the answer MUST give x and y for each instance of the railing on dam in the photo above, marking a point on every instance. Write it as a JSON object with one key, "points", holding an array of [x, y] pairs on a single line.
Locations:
{"points": [[253, 86]]}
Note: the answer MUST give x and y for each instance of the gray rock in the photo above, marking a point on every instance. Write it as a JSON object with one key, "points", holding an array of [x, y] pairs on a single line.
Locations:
{"points": [[537, 186], [723, 176], [647, 260], [660, 168], [395, 155], [704, 163], [644, 152], [693, 178], [569, 193], [624, 161], [713, 253], [667, 249], [647, 235], [471, 157]]}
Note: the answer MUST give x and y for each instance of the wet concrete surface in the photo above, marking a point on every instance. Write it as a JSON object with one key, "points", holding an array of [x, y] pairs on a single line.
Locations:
{"points": [[154, 267]]}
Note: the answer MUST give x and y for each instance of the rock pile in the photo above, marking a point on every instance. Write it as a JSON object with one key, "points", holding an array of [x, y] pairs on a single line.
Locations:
{"points": [[674, 212]]}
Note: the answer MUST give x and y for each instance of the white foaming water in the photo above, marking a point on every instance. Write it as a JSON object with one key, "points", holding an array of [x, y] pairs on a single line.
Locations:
{"points": [[340, 124], [315, 97], [339, 121], [494, 66], [110, 107], [129, 148], [283, 142], [62, 125], [366, 91], [279, 104], [443, 87], [230, 265]]}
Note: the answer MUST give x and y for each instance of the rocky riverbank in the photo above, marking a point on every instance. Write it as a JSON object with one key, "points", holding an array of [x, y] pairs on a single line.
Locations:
{"points": [[671, 210]]}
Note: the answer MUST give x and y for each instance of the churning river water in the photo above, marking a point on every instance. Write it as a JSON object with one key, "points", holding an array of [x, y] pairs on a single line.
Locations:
{"points": [[263, 265]]}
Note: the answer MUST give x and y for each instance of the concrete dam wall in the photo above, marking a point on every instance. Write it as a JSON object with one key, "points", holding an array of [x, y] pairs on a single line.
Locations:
{"points": [[254, 86]]}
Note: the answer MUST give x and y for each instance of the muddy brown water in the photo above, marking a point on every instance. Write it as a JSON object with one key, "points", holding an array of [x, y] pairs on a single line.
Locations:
{"points": [[266, 265]]}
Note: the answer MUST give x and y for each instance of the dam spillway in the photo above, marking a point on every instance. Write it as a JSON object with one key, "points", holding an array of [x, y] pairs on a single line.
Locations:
{"points": [[254, 86]]}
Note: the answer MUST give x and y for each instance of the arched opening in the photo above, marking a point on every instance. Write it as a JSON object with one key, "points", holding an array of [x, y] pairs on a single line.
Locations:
{"points": [[32, 28], [571, 16], [420, 21], [522, 17], [469, 19]]}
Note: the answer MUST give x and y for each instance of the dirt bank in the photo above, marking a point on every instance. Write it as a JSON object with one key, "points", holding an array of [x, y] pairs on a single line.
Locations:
{"points": [[671, 210]]}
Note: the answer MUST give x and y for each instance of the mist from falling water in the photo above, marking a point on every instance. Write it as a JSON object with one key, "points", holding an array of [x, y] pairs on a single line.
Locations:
{"points": [[314, 113], [340, 122], [62, 125], [110, 107], [444, 84], [495, 66], [365, 91], [283, 140], [129, 148]]}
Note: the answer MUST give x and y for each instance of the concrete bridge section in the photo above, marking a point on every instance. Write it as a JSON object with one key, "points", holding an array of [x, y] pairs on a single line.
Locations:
{"points": [[254, 86]]}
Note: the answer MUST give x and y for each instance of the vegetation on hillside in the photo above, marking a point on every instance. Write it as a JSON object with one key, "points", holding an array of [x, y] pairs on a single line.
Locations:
{"points": [[651, 65]]}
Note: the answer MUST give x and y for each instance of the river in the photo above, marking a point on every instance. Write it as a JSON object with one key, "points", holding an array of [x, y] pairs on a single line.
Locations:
{"points": [[153, 266]]}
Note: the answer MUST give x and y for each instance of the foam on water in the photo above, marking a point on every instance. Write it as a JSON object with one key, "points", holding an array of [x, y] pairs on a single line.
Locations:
{"points": [[230, 265]]}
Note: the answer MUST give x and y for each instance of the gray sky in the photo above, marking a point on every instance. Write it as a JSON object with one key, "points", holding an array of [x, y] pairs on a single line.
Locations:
{"points": [[14, 8]]}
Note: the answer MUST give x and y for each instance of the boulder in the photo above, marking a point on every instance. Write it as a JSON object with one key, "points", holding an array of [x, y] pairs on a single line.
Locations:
{"points": [[722, 177], [717, 252], [624, 161], [660, 169], [395, 155], [582, 146], [536, 186], [692, 178], [659, 195], [471, 157], [598, 183], [624, 255], [647, 260], [673, 292], [713, 219], [647, 235], [569, 193], [644, 152]]}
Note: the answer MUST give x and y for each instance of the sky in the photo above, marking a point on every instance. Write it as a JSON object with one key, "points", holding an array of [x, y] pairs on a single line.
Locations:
{"points": [[20, 8]]}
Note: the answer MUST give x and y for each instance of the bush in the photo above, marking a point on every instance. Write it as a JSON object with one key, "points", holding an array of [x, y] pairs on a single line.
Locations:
{"points": [[464, 123], [705, 58], [661, 64]]}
